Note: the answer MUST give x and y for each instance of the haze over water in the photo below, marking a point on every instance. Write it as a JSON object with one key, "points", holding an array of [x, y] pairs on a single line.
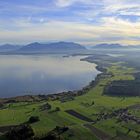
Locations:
{"points": [[41, 74]]}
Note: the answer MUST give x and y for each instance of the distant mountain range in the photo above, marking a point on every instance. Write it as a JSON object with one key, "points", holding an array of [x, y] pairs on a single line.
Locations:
{"points": [[58, 47], [52, 47], [115, 46], [107, 46]]}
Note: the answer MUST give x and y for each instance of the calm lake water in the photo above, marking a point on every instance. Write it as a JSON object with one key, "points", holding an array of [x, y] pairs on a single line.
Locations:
{"points": [[34, 74]]}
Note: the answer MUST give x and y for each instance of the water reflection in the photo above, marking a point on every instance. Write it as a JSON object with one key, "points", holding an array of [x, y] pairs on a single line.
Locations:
{"points": [[21, 75]]}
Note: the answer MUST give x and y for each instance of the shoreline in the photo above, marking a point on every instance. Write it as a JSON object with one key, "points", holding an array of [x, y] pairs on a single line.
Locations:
{"points": [[58, 96]]}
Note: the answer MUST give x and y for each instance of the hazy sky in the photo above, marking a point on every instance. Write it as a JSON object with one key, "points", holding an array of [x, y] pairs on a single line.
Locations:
{"points": [[83, 21]]}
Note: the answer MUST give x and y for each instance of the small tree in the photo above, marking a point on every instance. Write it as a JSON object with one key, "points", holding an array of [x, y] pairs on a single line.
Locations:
{"points": [[33, 119], [1, 105], [92, 103], [57, 109]]}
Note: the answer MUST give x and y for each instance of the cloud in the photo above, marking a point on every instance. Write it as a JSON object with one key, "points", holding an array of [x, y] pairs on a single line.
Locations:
{"points": [[83, 21], [64, 3], [67, 3], [122, 7], [111, 30]]}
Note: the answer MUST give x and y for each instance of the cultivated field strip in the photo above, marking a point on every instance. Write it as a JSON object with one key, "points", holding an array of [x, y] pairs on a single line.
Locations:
{"points": [[79, 116]]}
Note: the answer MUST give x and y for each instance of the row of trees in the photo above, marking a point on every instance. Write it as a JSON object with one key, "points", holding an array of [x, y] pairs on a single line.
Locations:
{"points": [[25, 132]]}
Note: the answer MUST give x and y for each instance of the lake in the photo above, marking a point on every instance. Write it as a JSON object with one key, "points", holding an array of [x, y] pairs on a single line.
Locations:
{"points": [[43, 74]]}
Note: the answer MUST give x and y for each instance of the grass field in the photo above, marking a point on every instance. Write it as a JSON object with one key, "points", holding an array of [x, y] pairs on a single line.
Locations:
{"points": [[20, 112]]}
